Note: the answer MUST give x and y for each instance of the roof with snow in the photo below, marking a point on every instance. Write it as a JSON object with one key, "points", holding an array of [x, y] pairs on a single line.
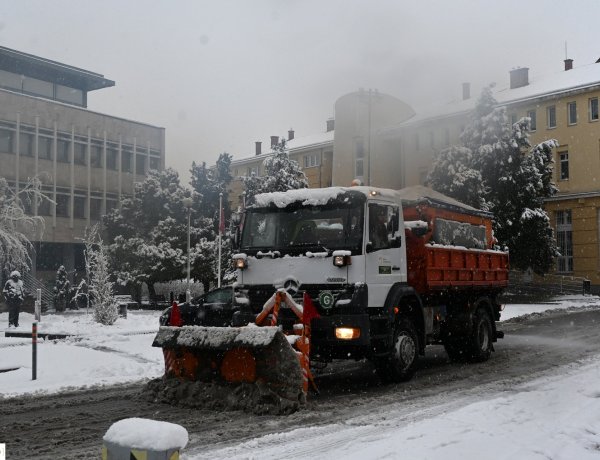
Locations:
{"points": [[297, 144], [578, 78]]}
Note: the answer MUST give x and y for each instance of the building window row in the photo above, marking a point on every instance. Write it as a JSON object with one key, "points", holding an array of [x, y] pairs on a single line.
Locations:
{"points": [[63, 152]]}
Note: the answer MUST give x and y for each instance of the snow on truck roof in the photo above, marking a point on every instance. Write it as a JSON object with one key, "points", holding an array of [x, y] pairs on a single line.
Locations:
{"points": [[320, 196]]}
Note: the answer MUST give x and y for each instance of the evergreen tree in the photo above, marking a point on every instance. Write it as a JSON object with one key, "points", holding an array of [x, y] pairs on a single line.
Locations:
{"points": [[281, 174], [495, 169], [102, 300]]}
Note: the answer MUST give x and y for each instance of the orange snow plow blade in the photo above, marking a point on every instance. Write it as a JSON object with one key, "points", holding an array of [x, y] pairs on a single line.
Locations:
{"points": [[232, 355]]}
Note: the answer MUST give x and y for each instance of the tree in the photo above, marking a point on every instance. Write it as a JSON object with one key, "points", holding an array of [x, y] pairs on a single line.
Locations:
{"points": [[16, 226], [102, 300], [496, 169], [281, 174]]}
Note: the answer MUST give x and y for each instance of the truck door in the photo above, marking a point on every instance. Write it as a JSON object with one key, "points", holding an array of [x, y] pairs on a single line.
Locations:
{"points": [[385, 254]]}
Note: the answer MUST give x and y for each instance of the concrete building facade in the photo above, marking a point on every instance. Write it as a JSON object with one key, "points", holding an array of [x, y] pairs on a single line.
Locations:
{"points": [[87, 161]]}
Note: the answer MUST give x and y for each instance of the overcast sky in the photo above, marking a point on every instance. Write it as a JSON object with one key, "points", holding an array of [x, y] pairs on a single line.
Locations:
{"points": [[219, 75]]}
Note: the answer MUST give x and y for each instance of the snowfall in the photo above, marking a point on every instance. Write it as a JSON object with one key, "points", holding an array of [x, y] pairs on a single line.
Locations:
{"points": [[557, 416]]}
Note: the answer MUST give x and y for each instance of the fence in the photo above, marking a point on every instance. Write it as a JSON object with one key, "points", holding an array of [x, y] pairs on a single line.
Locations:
{"points": [[527, 286]]}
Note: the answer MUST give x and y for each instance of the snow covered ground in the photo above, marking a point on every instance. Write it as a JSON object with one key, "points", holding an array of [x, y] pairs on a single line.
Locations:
{"points": [[556, 416]]}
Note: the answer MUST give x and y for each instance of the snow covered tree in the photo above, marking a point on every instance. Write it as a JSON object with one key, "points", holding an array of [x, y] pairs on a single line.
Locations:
{"points": [[281, 174], [148, 235], [17, 226], [102, 300], [495, 169]]}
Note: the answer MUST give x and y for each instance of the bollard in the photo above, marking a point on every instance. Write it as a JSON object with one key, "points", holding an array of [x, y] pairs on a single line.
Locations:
{"points": [[34, 351], [38, 306], [139, 438]]}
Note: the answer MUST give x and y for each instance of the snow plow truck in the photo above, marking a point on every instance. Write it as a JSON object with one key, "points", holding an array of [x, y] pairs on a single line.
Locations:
{"points": [[348, 273]]}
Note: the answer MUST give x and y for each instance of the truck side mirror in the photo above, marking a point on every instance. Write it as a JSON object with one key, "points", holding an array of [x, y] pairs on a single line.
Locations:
{"points": [[369, 247], [396, 242]]}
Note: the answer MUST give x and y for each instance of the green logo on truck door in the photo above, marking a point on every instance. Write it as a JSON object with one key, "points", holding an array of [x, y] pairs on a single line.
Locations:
{"points": [[326, 299], [385, 270]]}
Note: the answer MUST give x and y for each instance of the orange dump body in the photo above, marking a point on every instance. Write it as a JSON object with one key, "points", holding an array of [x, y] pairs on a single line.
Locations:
{"points": [[434, 267]]}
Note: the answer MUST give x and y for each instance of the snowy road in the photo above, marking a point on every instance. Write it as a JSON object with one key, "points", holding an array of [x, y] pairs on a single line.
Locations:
{"points": [[352, 403]]}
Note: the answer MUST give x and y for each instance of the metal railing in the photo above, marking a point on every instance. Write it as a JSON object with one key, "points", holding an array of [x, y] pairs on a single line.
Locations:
{"points": [[32, 284], [528, 286]]}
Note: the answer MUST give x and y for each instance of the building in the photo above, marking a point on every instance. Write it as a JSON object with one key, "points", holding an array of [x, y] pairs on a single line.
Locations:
{"points": [[563, 106], [87, 161], [314, 153]]}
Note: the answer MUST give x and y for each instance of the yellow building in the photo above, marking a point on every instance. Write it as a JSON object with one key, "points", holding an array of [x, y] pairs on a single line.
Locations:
{"points": [[563, 106]]}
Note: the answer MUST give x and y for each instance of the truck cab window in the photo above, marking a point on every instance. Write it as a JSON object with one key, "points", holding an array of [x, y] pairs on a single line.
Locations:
{"points": [[383, 225]]}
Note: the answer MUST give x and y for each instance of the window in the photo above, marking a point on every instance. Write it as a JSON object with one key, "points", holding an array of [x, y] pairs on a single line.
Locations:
{"points": [[96, 157], [551, 116], [572, 113], [252, 171], [26, 141], [45, 147], [79, 207], [80, 154], [95, 208], [383, 226], [111, 159], [62, 150], [140, 165], [154, 163], [593, 109], [6, 140], [311, 160], [71, 95], [532, 114], [564, 240], [564, 165], [126, 163], [62, 205]]}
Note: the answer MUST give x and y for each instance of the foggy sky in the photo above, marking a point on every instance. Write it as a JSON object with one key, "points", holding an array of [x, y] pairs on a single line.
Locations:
{"points": [[220, 75]]}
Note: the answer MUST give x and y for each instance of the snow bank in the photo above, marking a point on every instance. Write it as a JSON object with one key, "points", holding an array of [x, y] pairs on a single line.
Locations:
{"points": [[142, 433]]}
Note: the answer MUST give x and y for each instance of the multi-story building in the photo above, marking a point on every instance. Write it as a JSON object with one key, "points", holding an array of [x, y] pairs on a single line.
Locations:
{"points": [[313, 153], [87, 161]]}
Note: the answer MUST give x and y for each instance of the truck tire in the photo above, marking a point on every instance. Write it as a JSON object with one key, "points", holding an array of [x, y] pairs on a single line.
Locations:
{"points": [[400, 364], [476, 347]]}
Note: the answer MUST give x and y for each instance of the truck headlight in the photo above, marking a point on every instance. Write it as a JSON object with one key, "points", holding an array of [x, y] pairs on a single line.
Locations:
{"points": [[347, 333], [240, 263], [342, 261]]}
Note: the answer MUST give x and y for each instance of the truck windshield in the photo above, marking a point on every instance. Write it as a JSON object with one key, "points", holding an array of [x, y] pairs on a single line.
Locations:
{"points": [[301, 229]]}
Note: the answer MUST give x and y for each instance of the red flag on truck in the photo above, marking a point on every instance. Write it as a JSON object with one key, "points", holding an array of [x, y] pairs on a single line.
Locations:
{"points": [[309, 311]]}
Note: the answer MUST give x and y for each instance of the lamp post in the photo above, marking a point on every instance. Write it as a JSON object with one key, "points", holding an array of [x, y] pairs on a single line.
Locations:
{"points": [[187, 202]]}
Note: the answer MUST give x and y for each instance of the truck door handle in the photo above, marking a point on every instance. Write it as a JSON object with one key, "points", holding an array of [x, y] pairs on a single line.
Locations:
{"points": [[395, 268]]}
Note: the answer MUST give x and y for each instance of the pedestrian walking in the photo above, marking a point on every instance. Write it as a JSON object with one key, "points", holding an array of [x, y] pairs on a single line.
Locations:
{"points": [[14, 295]]}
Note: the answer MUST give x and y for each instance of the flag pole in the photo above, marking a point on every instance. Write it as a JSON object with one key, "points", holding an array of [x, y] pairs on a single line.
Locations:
{"points": [[221, 225]]}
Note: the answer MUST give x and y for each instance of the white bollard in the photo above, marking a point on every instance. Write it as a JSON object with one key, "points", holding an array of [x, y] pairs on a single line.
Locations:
{"points": [[140, 438]]}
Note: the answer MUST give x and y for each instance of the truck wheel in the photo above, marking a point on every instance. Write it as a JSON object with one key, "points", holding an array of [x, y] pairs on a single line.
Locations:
{"points": [[481, 339], [476, 347], [399, 365]]}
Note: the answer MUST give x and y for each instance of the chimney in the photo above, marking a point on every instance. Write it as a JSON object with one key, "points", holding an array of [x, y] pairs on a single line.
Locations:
{"points": [[568, 64], [258, 143], [274, 141], [466, 91], [330, 124], [290, 134], [519, 77]]}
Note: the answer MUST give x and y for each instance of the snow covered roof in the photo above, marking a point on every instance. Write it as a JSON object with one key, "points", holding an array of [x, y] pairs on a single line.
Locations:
{"points": [[297, 144], [578, 78], [419, 194]]}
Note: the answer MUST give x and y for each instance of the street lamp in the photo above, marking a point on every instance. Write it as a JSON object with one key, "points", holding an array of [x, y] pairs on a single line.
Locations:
{"points": [[188, 202]]}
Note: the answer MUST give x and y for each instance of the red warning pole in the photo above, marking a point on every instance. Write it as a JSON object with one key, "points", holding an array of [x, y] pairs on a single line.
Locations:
{"points": [[34, 350]]}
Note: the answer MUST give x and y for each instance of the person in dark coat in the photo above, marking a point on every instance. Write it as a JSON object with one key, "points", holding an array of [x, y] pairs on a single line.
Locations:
{"points": [[14, 295]]}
